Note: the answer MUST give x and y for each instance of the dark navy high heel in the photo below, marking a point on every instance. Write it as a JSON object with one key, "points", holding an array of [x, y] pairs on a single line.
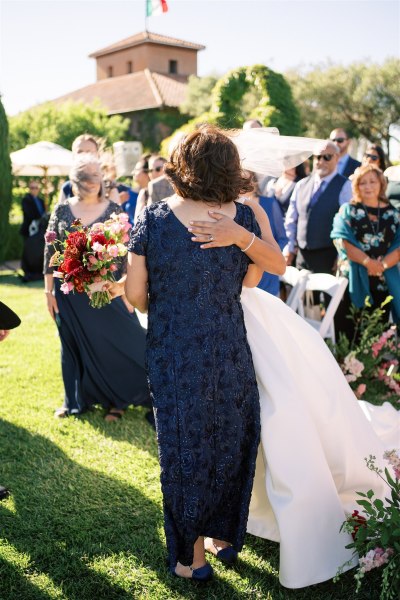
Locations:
{"points": [[227, 555], [201, 574]]}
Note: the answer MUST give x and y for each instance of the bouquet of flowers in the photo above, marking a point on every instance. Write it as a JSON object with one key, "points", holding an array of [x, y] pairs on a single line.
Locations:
{"points": [[376, 536], [370, 361], [88, 258]]}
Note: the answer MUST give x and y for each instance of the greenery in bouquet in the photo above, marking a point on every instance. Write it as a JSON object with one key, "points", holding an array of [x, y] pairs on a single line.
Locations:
{"points": [[88, 258], [370, 360], [376, 534]]}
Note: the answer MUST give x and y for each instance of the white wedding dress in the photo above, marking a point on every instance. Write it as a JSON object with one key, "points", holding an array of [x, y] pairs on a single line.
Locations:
{"points": [[314, 438]]}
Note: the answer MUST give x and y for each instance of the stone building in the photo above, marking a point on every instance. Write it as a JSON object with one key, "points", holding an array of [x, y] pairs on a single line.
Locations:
{"points": [[144, 78]]}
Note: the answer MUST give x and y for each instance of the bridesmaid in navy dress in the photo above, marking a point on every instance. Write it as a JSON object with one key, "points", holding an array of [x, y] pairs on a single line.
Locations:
{"points": [[187, 265], [102, 350]]}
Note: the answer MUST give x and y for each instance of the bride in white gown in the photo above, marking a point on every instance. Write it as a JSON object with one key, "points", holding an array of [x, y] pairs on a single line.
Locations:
{"points": [[314, 438]]}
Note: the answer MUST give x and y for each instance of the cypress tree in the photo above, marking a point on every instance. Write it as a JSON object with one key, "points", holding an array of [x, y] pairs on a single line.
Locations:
{"points": [[5, 183]]}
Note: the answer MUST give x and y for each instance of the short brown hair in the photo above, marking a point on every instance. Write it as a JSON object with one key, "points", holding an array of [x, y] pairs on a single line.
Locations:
{"points": [[205, 166], [359, 174]]}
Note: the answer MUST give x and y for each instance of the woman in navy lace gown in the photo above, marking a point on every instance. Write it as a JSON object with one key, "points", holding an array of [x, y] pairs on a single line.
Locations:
{"points": [[202, 380], [102, 351]]}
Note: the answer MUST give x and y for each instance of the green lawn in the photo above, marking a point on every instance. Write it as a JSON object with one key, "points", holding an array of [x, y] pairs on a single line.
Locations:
{"points": [[84, 521]]}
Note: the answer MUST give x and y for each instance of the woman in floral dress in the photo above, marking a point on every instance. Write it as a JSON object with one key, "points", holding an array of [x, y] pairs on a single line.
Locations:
{"points": [[367, 231]]}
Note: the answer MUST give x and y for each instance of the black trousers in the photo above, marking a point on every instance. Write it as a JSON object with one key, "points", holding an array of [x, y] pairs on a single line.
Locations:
{"points": [[321, 260]]}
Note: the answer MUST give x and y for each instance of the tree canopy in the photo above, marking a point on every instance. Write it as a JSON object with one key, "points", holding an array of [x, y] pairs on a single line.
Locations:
{"points": [[62, 123], [361, 97]]}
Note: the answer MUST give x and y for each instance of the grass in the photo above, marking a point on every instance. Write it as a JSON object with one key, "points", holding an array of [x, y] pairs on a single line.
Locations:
{"points": [[84, 520]]}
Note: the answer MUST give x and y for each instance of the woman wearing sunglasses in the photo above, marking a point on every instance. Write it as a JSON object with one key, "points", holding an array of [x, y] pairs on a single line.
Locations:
{"points": [[374, 155]]}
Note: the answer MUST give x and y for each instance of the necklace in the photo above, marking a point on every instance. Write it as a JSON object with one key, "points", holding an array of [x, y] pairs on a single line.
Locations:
{"points": [[373, 224]]}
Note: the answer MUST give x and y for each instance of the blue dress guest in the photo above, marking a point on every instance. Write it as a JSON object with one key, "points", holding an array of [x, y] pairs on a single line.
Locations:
{"points": [[367, 234], [189, 257], [269, 282], [102, 350]]}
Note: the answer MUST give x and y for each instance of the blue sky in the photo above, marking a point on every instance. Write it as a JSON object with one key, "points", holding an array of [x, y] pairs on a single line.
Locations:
{"points": [[44, 44]]}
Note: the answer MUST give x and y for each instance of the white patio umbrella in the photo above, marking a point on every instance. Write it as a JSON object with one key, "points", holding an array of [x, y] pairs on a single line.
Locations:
{"points": [[42, 159]]}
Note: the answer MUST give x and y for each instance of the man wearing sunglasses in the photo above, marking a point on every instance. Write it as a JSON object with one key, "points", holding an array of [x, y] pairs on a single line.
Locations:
{"points": [[346, 164], [314, 202], [159, 187]]}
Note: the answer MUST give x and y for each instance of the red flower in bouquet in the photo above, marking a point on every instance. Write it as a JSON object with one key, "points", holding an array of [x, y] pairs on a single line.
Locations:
{"points": [[78, 239], [71, 265], [88, 260], [100, 238]]}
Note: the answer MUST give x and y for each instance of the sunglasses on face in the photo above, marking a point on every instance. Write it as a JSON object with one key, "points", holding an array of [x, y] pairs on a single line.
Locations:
{"points": [[339, 140], [326, 157], [157, 169], [371, 156]]}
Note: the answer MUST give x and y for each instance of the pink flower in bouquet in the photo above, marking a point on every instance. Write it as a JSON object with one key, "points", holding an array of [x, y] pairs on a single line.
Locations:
{"points": [[67, 287], [113, 268], [92, 259], [378, 345], [97, 228], [116, 228], [113, 251], [103, 271], [125, 238], [50, 237], [97, 247], [58, 274]]}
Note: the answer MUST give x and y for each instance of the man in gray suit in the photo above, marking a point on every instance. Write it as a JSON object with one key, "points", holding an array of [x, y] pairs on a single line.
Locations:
{"points": [[314, 202], [159, 187]]}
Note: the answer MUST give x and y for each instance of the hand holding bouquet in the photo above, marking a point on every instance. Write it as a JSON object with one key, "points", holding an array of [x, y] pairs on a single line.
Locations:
{"points": [[88, 258]]}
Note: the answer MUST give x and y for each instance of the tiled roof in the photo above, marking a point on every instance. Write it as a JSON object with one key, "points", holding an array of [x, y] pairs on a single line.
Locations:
{"points": [[146, 37], [129, 93]]}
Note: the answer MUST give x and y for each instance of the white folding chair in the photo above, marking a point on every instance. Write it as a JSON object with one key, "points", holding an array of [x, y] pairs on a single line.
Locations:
{"points": [[297, 280], [335, 288]]}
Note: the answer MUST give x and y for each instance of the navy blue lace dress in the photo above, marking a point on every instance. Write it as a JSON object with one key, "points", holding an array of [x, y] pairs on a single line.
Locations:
{"points": [[202, 380], [102, 350]]}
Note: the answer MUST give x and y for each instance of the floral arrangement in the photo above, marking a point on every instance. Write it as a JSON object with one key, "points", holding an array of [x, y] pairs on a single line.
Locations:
{"points": [[370, 361], [89, 256], [376, 536]]}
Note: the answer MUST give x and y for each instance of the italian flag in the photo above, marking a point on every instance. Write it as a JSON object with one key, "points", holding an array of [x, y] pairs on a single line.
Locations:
{"points": [[156, 7]]}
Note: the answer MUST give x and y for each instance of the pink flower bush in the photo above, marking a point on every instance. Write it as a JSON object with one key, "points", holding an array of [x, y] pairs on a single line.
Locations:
{"points": [[375, 558]]}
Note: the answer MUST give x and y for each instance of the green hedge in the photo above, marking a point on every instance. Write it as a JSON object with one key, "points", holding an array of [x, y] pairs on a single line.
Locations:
{"points": [[14, 243]]}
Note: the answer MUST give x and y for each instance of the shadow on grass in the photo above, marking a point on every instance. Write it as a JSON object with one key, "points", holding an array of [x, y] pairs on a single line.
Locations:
{"points": [[69, 518], [12, 278]]}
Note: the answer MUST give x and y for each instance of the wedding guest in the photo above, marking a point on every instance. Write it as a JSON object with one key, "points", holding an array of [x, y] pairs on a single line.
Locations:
{"points": [[102, 350], [374, 155], [314, 202], [34, 212], [269, 282], [189, 257], [159, 186], [346, 164], [84, 144], [141, 176], [282, 187], [368, 236]]}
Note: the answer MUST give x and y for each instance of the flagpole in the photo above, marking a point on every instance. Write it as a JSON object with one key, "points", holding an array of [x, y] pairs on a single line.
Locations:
{"points": [[145, 16]]}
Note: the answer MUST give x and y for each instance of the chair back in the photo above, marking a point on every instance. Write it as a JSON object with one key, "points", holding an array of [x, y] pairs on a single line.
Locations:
{"points": [[335, 287], [297, 280]]}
